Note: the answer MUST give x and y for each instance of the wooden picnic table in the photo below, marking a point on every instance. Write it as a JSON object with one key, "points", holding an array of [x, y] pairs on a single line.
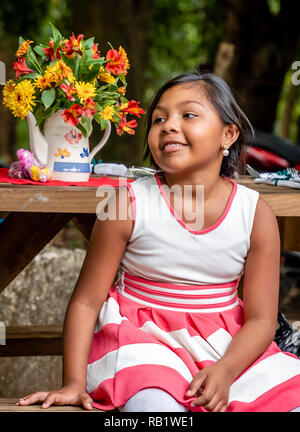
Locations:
{"points": [[34, 214]]}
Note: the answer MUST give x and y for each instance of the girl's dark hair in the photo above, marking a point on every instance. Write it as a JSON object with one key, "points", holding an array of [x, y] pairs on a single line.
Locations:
{"points": [[222, 99]]}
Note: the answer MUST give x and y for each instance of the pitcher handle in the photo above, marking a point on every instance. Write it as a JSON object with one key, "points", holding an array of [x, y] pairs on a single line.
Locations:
{"points": [[102, 142]]}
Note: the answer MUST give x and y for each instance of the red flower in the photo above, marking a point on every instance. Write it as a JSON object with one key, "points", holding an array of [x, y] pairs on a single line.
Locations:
{"points": [[96, 53], [69, 90], [116, 63], [133, 108], [71, 115], [89, 107], [125, 126], [73, 45], [21, 67], [50, 51]]}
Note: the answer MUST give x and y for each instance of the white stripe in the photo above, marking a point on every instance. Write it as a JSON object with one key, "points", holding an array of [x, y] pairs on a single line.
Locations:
{"points": [[197, 347], [195, 301], [194, 310], [267, 374], [219, 341], [176, 291], [109, 314], [134, 355]]}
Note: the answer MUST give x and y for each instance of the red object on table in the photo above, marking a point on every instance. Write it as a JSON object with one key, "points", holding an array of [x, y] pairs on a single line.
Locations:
{"points": [[93, 182]]}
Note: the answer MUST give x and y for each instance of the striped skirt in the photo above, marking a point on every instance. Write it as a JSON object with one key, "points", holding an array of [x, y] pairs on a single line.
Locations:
{"points": [[154, 334]]}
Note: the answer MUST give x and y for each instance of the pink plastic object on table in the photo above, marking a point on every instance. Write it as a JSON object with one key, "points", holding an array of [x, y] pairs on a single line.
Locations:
{"points": [[28, 167]]}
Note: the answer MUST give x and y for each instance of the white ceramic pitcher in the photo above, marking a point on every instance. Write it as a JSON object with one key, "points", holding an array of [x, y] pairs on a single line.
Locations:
{"points": [[63, 148]]}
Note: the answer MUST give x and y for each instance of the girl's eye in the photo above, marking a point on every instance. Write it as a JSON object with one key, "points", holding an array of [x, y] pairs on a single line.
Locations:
{"points": [[189, 115], [158, 120]]}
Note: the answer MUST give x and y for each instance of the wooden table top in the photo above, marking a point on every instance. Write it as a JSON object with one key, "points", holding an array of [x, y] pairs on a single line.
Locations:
{"points": [[73, 199]]}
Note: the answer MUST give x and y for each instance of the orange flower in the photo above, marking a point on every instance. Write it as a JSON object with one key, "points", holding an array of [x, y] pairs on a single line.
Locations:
{"points": [[125, 126], [69, 90], [73, 45], [96, 53], [50, 51], [122, 90], [132, 107], [116, 63], [23, 48], [123, 54], [89, 107], [71, 115], [21, 67]]}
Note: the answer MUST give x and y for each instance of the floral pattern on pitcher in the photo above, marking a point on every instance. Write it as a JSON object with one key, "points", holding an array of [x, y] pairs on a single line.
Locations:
{"points": [[73, 137], [85, 153], [62, 153]]}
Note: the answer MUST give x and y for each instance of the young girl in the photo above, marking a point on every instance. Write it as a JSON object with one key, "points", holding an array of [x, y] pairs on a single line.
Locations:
{"points": [[172, 335]]}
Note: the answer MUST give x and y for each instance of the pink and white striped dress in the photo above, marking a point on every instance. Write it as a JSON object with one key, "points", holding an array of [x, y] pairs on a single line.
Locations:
{"points": [[174, 309]]}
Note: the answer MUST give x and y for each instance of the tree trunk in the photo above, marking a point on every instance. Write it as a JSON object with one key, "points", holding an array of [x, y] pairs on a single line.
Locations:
{"points": [[257, 49], [123, 23]]}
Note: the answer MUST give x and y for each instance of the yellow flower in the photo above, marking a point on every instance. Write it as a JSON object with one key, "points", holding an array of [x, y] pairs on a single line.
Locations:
{"points": [[20, 98], [42, 82], [108, 112], [23, 48], [123, 54], [85, 90], [106, 77], [58, 72], [7, 91]]}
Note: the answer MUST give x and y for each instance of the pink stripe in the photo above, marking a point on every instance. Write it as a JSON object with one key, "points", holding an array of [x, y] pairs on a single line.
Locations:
{"points": [[206, 230], [113, 393], [179, 305], [175, 286], [175, 295]]}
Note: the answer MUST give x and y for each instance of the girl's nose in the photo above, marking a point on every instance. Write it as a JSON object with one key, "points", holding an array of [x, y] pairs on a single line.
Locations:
{"points": [[170, 125]]}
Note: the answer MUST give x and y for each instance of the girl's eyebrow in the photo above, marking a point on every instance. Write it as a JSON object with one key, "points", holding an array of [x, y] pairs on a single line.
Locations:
{"points": [[162, 108]]}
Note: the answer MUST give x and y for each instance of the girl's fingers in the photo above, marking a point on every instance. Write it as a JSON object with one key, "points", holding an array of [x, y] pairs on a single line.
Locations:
{"points": [[220, 407], [50, 399], [33, 398], [196, 385]]}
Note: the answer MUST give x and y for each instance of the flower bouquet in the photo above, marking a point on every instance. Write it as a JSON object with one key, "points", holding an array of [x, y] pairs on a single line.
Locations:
{"points": [[64, 85], [71, 75]]}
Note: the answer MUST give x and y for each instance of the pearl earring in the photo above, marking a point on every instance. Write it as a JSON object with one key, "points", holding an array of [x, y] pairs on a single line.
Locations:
{"points": [[225, 151]]}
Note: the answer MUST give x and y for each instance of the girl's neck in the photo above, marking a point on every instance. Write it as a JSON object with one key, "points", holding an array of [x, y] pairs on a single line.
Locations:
{"points": [[211, 182]]}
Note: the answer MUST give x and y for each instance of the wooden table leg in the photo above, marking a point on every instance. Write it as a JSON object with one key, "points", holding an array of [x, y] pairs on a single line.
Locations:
{"points": [[23, 236], [85, 223], [289, 228]]}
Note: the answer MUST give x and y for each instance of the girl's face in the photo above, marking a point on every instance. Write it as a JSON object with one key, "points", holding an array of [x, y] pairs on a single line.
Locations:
{"points": [[187, 133]]}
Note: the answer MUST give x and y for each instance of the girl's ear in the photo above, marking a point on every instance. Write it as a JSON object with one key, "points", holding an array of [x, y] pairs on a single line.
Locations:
{"points": [[230, 134]]}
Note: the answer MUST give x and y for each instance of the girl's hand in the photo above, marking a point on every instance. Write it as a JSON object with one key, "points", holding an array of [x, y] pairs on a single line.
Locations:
{"points": [[211, 385], [71, 394]]}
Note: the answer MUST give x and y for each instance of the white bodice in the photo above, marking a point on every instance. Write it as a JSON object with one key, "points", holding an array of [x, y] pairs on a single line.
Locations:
{"points": [[163, 248]]}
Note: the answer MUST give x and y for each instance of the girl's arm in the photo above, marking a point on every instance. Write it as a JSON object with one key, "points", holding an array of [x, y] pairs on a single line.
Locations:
{"points": [[260, 296], [106, 248]]}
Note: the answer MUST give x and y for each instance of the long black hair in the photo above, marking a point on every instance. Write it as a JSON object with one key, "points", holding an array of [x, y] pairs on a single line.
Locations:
{"points": [[220, 96]]}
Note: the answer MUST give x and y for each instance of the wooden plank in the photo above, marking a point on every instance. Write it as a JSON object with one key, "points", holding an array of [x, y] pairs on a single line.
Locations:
{"points": [[23, 235], [74, 199], [9, 405], [32, 341]]}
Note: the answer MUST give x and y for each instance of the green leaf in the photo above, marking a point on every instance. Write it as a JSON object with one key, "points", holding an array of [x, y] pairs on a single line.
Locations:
{"points": [[21, 40], [82, 129], [55, 33], [88, 43], [103, 123], [48, 97], [39, 50]]}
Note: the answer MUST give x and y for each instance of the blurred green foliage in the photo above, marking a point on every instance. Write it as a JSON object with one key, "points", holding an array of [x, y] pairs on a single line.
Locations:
{"points": [[184, 34]]}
